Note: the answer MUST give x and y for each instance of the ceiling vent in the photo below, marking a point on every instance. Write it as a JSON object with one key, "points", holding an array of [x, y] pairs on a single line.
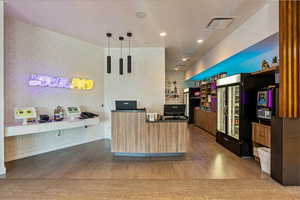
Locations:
{"points": [[220, 23], [140, 15]]}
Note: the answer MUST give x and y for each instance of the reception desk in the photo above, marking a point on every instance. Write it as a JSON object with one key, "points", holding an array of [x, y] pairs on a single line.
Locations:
{"points": [[133, 135]]}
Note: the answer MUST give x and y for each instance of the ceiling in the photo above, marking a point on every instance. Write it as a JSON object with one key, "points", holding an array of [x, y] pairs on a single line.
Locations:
{"points": [[184, 21], [247, 61]]}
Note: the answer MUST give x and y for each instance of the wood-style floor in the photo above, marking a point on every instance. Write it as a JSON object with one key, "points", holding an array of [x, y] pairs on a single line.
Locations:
{"points": [[205, 160], [90, 172]]}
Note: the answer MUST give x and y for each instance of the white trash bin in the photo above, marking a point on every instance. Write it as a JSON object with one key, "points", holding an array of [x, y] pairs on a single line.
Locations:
{"points": [[265, 159]]}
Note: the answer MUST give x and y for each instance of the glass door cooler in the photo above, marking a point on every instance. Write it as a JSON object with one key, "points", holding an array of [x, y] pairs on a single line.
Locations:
{"points": [[234, 111], [221, 109], [233, 119], [192, 100]]}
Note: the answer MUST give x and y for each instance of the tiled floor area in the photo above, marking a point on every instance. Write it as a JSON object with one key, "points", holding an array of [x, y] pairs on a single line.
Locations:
{"points": [[89, 171]]}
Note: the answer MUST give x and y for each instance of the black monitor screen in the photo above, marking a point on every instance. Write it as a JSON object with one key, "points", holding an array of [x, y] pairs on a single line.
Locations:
{"points": [[126, 105], [262, 98], [174, 109]]}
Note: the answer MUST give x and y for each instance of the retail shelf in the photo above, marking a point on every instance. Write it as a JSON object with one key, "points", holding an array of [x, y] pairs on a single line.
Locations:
{"points": [[32, 128]]}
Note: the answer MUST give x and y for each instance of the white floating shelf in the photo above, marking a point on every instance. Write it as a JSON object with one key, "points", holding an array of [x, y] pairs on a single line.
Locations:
{"points": [[32, 128]]}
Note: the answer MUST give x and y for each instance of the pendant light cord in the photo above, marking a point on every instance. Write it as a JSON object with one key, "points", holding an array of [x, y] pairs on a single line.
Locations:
{"points": [[129, 46], [121, 49], [109, 52], [108, 35]]}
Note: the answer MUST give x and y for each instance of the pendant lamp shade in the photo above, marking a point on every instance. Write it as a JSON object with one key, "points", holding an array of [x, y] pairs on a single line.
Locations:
{"points": [[129, 68], [121, 57], [108, 64], [108, 59], [121, 66], [129, 64]]}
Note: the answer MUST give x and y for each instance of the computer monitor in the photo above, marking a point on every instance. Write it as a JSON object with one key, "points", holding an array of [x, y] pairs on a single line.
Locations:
{"points": [[174, 109], [126, 105], [262, 98]]}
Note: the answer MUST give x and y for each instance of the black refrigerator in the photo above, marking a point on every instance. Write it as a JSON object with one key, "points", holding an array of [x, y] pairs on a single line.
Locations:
{"points": [[235, 110], [192, 100]]}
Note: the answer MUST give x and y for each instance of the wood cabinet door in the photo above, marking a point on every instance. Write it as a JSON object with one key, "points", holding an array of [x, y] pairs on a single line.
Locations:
{"points": [[261, 134]]}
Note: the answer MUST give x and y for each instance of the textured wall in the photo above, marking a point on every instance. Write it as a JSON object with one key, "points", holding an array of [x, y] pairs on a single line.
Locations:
{"points": [[2, 168], [30, 49], [146, 83]]}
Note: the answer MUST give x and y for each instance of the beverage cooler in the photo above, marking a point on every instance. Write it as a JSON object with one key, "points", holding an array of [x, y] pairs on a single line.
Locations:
{"points": [[234, 113], [192, 100]]}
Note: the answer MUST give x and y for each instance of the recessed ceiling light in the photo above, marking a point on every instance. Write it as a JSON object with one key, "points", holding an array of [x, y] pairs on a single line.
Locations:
{"points": [[163, 34], [184, 59], [140, 15], [199, 41]]}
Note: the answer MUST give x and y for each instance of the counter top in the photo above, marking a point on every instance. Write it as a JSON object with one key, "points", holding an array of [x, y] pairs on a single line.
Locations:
{"points": [[32, 128], [137, 110], [167, 121], [148, 121]]}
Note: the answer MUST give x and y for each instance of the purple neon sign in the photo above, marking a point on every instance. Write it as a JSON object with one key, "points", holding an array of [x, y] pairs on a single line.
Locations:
{"points": [[49, 81]]}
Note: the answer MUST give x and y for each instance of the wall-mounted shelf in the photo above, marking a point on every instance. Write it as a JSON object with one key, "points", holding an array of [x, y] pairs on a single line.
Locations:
{"points": [[266, 71], [32, 128]]}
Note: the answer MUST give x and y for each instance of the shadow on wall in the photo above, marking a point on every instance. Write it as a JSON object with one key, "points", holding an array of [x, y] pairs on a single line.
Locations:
{"points": [[248, 60]]}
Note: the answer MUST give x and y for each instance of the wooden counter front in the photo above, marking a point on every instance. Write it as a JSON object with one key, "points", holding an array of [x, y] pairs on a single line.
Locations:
{"points": [[206, 120], [131, 133]]}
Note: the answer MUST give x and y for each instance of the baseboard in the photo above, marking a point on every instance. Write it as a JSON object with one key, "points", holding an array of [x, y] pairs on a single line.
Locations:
{"points": [[34, 153]]}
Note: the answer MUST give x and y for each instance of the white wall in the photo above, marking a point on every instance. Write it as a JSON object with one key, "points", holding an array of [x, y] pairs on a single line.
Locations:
{"points": [[146, 83], [29, 49], [179, 78], [258, 27], [2, 168]]}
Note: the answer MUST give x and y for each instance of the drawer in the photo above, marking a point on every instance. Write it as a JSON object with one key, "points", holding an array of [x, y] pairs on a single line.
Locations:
{"points": [[261, 134]]}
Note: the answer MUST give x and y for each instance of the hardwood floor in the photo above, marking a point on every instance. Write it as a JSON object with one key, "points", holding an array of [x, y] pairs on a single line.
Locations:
{"points": [[205, 160], [90, 172]]}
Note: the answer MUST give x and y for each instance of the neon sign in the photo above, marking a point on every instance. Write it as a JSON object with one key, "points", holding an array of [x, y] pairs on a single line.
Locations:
{"points": [[37, 80]]}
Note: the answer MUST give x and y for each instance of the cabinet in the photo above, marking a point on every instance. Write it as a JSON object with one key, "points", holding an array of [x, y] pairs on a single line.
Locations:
{"points": [[206, 120], [261, 134]]}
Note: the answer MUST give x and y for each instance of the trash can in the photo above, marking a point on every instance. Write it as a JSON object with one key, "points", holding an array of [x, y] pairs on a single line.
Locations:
{"points": [[264, 154]]}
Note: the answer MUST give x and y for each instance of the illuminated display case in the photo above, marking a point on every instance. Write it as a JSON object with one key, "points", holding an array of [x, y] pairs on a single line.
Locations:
{"points": [[236, 97], [234, 111], [221, 115], [192, 100]]}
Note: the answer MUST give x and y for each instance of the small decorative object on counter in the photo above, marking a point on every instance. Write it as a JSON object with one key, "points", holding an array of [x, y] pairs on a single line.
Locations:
{"points": [[26, 114], [59, 114], [44, 119], [152, 117], [275, 61], [265, 65]]}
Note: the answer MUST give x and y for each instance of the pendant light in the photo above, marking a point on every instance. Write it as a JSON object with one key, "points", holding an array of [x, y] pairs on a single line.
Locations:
{"points": [[129, 35], [121, 58], [108, 60]]}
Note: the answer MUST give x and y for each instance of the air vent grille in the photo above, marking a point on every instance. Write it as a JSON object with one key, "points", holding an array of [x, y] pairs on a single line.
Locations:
{"points": [[220, 23]]}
